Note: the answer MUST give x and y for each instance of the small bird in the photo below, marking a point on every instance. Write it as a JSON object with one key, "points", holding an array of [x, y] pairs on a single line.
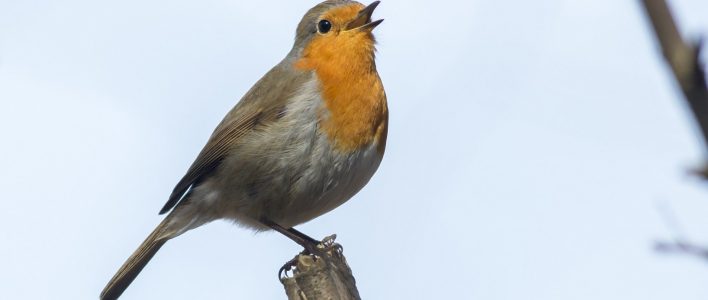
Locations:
{"points": [[302, 141]]}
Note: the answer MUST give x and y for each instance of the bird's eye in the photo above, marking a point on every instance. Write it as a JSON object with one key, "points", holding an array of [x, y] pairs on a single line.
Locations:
{"points": [[324, 26]]}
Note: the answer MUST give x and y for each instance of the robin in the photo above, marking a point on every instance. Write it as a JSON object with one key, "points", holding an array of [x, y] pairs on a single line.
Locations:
{"points": [[302, 141]]}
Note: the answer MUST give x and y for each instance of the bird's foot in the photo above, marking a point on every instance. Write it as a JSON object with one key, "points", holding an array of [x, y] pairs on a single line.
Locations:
{"points": [[314, 249], [320, 248]]}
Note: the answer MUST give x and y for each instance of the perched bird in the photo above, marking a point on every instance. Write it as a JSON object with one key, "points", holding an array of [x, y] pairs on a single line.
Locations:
{"points": [[302, 141]]}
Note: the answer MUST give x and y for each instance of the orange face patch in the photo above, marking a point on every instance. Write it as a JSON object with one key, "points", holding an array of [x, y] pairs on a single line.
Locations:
{"points": [[352, 90]]}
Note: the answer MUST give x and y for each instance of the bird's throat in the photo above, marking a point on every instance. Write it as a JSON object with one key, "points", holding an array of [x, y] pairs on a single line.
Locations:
{"points": [[355, 113]]}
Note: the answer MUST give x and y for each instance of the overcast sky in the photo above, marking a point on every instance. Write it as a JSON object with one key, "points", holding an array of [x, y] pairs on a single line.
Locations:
{"points": [[533, 146]]}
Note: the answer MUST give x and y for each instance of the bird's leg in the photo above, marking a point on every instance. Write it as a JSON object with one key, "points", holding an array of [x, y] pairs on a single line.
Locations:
{"points": [[303, 236], [302, 239]]}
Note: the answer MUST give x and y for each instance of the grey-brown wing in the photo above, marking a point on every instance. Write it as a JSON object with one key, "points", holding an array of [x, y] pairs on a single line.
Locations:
{"points": [[213, 153], [265, 102]]}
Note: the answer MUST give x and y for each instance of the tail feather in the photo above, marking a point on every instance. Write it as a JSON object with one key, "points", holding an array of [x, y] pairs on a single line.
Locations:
{"points": [[136, 262]]}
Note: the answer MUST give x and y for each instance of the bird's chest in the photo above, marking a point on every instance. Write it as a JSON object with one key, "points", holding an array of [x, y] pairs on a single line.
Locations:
{"points": [[292, 171], [314, 174]]}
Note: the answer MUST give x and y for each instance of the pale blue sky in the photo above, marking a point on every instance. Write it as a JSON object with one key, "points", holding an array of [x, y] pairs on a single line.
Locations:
{"points": [[530, 145]]}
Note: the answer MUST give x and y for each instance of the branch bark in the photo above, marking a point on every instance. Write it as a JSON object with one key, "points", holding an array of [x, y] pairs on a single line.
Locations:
{"points": [[320, 277]]}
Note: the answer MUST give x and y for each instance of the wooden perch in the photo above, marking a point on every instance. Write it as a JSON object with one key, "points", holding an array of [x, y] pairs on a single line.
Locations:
{"points": [[684, 60], [320, 277]]}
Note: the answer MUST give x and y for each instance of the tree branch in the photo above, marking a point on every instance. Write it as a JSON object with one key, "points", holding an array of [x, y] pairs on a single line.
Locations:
{"points": [[683, 58]]}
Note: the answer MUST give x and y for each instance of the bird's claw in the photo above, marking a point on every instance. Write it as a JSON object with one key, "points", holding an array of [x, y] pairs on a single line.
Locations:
{"points": [[283, 272], [328, 241]]}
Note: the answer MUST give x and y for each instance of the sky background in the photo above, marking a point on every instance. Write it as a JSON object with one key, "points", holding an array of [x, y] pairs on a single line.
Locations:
{"points": [[533, 147]]}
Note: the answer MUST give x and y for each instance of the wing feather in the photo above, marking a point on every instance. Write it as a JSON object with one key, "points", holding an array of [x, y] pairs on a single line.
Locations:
{"points": [[213, 153], [265, 102]]}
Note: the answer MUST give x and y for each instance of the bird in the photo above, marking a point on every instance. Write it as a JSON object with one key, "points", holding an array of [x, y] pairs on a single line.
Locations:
{"points": [[302, 141]]}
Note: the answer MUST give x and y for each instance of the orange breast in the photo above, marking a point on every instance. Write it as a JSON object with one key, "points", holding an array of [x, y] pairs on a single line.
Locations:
{"points": [[354, 96]]}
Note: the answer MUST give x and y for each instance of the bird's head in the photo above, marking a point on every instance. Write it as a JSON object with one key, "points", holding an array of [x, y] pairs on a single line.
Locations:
{"points": [[336, 31]]}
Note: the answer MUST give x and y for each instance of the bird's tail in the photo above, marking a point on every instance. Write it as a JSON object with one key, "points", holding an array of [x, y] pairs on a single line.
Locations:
{"points": [[136, 262]]}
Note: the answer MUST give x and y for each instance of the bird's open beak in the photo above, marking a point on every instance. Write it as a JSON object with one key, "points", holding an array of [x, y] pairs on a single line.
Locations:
{"points": [[363, 22]]}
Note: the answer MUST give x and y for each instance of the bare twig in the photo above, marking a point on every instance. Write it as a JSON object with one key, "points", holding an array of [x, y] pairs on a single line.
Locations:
{"points": [[683, 58], [679, 243], [316, 277], [681, 247]]}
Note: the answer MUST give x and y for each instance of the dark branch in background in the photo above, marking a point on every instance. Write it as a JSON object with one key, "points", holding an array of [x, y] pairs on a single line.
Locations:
{"points": [[681, 247], [684, 59]]}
